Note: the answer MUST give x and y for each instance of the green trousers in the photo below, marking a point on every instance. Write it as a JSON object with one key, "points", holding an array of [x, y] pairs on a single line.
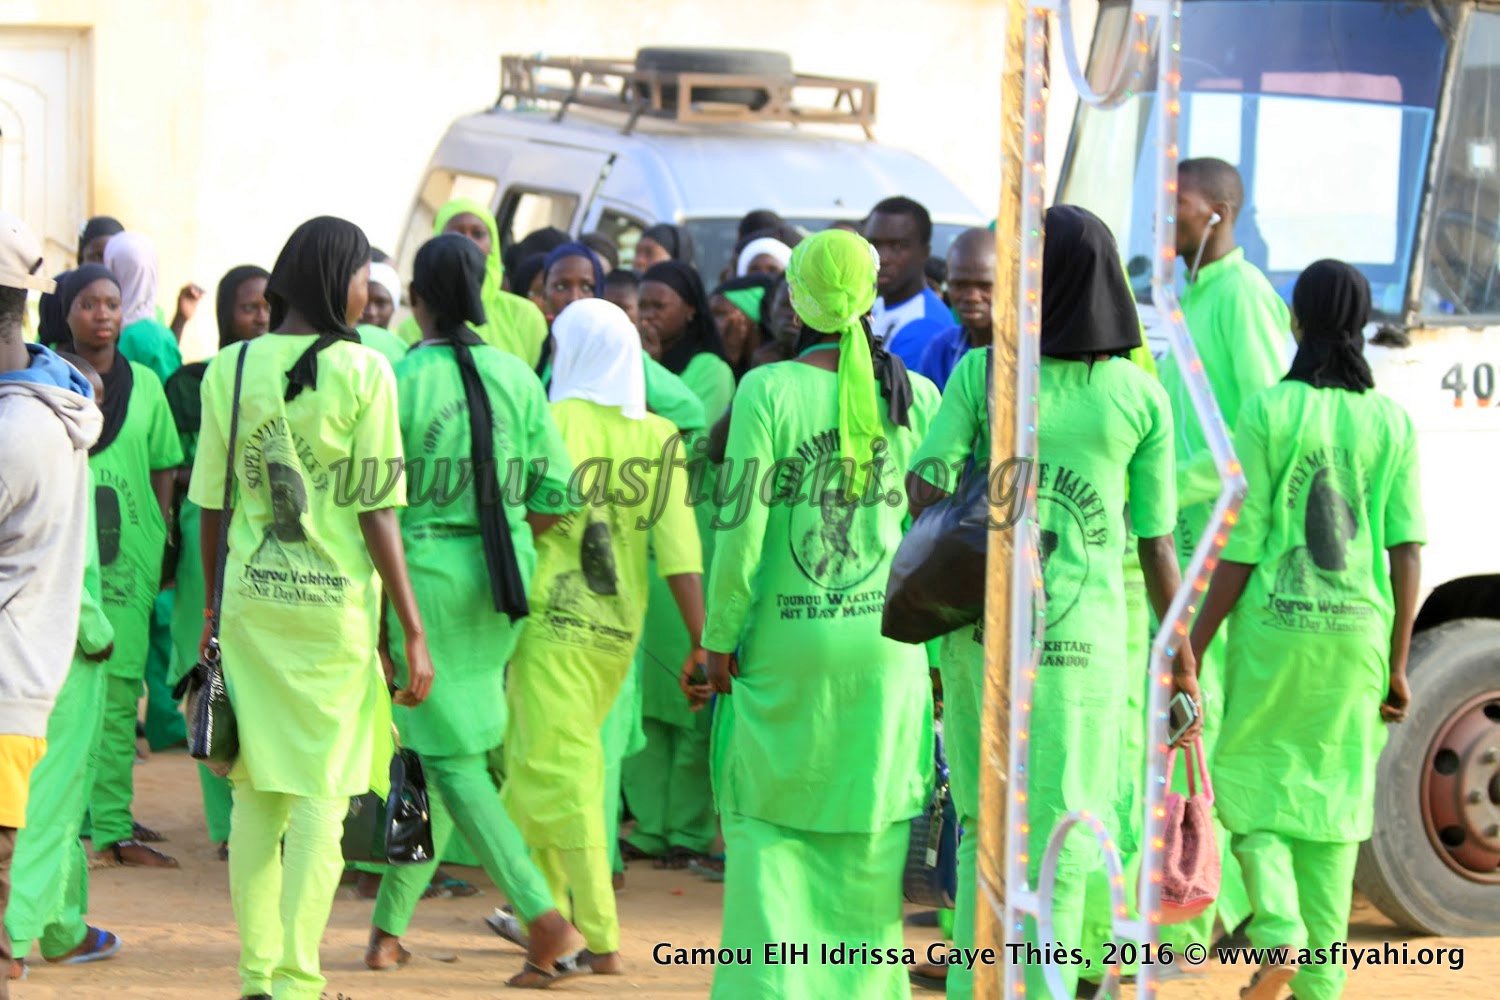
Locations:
{"points": [[667, 785], [49, 890], [284, 865], [113, 764], [579, 879], [961, 663], [218, 804], [165, 726], [463, 797], [1301, 892]]}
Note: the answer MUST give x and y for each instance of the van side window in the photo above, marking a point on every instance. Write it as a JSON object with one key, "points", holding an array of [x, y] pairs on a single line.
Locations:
{"points": [[523, 212], [442, 186], [623, 229]]}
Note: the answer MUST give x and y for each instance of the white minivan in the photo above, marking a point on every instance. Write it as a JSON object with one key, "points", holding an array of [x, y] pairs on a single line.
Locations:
{"points": [[696, 137]]}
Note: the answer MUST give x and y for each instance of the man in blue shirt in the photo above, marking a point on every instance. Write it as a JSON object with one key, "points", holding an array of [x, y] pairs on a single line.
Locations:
{"points": [[908, 313], [971, 289]]}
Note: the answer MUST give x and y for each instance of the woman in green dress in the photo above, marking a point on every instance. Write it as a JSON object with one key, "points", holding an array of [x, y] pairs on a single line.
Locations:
{"points": [[132, 465], [476, 503], [822, 745], [243, 313], [588, 600], [313, 541], [1319, 583], [1105, 432]]}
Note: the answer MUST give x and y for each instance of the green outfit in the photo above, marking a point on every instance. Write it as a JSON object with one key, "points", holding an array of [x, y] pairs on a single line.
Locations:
{"points": [[1333, 484], [464, 717], [1105, 430], [513, 323], [148, 342], [164, 724], [383, 342], [822, 753], [588, 601], [1239, 325], [49, 870], [132, 538], [300, 615], [712, 381]]}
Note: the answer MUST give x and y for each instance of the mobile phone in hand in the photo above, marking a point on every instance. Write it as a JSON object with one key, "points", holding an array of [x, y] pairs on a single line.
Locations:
{"points": [[1181, 715]]}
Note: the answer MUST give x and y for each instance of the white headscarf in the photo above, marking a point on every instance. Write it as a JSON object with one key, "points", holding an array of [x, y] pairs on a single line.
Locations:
{"points": [[385, 276], [767, 245], [132, 260], [598, 357]]}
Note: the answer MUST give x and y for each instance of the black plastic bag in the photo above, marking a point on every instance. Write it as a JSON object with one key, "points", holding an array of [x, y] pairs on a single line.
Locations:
{"points": [[937, 576]]}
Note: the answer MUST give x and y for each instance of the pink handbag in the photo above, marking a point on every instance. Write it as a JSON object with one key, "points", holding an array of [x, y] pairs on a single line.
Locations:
{"points": [[1190, 855]]}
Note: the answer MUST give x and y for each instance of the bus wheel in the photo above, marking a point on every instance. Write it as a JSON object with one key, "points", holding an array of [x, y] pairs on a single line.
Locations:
{"points": [[1433, 862]]}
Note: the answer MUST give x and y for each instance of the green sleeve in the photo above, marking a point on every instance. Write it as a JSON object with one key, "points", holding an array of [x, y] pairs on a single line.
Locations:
{"points": [[206, 488], [377, 440], [731, 580], [1247, 337], [1247, 538], [162, 442], [1404, 521], [674, 536], [95, 633], [668, 396], [383, 342], [1153, 500], [949, 442], [409, 331], [712, 381], [550, 467]]}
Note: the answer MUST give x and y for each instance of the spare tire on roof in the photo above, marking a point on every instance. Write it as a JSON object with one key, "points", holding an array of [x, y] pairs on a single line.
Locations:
{"points": [[738, 61]]}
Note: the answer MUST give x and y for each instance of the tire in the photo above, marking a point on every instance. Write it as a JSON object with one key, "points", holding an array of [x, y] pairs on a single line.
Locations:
{"points": [[681, 60], [1400, 870]]}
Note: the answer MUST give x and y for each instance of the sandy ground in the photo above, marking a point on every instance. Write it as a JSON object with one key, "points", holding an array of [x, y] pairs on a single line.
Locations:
{"points": [[180, 940]]}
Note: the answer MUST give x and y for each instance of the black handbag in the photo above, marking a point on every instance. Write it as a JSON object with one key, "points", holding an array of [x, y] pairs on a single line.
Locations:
{"points": [[937, 575], [931, 875], [397, 829], [212, 732]]}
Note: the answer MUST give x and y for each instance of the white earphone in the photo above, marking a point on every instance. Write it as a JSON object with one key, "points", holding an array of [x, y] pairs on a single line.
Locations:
{"points": [[1215, 218]]}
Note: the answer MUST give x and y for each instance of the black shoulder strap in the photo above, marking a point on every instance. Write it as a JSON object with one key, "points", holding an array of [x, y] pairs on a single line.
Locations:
{"points": [[224, 512]]}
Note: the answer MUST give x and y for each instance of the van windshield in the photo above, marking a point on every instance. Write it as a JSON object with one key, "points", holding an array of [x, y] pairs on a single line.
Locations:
{"points": [[1325, 106], [714, 240]]}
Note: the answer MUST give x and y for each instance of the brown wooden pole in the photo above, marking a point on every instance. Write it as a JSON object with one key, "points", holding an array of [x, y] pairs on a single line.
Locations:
{"points": [[989, 927]]}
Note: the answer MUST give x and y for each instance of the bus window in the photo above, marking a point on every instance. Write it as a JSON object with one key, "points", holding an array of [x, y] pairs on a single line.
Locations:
{"points": [[524, 212], [1462, 275]]}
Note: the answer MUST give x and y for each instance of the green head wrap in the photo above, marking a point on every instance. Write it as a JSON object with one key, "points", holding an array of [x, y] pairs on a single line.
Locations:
{"points": [[494, 269], [746, 300], [831, 277]]}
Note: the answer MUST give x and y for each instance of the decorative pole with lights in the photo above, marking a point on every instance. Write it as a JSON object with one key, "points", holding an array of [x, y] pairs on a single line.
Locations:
{"points": [[1014, 596]]}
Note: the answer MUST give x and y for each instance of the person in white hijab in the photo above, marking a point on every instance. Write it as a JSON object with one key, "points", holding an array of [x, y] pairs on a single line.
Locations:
{"points": [[143, 337], [588, 605], [766, 255], [385, 295]]}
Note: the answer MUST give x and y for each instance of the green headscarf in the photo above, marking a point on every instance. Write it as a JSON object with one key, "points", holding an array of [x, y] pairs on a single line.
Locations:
{"points": [[513, 323], [831, 277]]}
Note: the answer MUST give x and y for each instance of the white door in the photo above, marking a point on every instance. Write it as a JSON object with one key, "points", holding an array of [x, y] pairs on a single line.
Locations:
{"points": [[45, 135]]}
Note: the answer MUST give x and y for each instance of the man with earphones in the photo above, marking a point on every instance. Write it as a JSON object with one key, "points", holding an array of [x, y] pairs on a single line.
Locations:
{"points": [[1240, 327]]}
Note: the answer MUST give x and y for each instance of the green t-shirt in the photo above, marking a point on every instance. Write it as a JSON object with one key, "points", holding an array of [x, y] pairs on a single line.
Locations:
{"points": [[95, 632], [712, 381], [590, 588], [829, 727], [444, 550], [132, 535], [383, 341], [301, 596], [1103, 432], [667, 395], [1333, 483], [1240, 327], [148, 342]]}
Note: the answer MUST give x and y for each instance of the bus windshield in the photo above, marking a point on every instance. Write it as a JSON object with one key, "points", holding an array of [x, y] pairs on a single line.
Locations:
{"points": [[1325, 106]]}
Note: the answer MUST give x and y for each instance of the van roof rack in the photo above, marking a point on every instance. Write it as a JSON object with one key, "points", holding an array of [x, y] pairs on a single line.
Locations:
{"points": [[681, 96]]}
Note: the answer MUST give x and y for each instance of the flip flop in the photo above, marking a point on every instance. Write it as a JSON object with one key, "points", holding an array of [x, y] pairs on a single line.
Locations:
{"points": [[533, 977], [146, 835], [450, 888], [96, 946], [508, 927], [630, 852], [113, 856], [1267, 983], [676, 859], [924, 982]]}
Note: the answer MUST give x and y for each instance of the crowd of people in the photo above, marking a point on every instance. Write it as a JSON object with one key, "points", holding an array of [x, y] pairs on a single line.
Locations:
{"points": [[601, 541]]}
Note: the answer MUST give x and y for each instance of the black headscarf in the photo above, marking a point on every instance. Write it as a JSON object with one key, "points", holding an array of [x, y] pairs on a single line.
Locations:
{"points": [[1087, 308], [701, 335], [312, 275], [119, 381], [52, 321], [448, 276], [99, 225], [1332, 305], [675, 240], [229, 287]]}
